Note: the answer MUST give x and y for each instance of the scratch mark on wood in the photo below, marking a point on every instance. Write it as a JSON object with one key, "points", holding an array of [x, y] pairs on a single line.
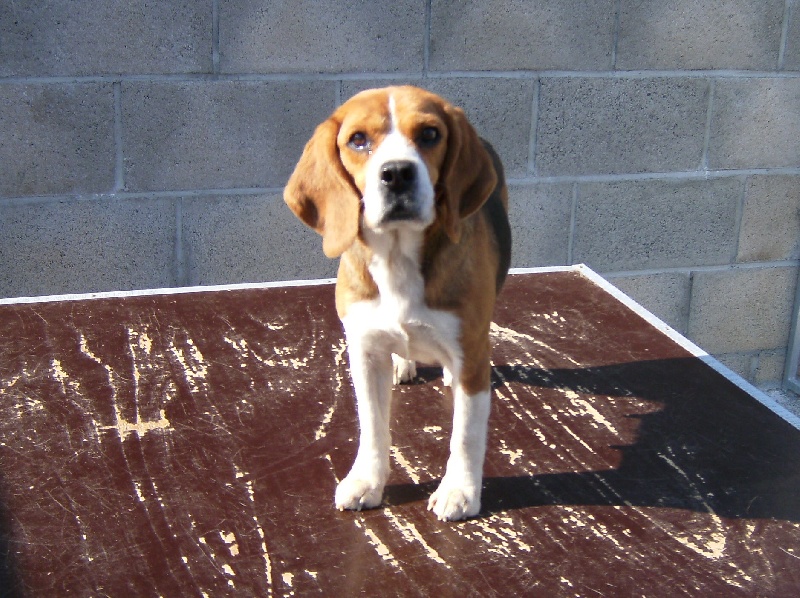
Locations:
{"points": [[230, 541], [281, 356], [251, 495], [569, 431], [710, 544], [590, 410], [381, 548], [498, 534], [411, 534], [404, 464], [333, 469], [193, 364], [63, 378], [513, 456], [322, 430], [339, 362], [520, 339], [288, 578], [790, 552], [124, 427], [140, 428]]}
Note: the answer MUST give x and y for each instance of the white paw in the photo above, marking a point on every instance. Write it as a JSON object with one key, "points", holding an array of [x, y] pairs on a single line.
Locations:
{"points": [[403, 370], [451, 503], [354, 494], [447, 377]]}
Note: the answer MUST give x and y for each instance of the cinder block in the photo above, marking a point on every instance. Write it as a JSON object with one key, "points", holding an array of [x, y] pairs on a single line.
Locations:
{"points": [[518, 34], [203, 135], [56, 139], [771, 219], [611, 125], [539, 216], [785, 398], [93, 37], [321, 36], [635, 225], [742, 310], [233, 239], [756, 124], [686, 34], [791, 56], [499, 109], [738, 363], [665, 295], [86, 246], [762, 368], [769, 368]]}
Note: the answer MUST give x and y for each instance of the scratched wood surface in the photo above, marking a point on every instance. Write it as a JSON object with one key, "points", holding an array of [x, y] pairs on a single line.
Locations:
{"points": [[189, 445]]}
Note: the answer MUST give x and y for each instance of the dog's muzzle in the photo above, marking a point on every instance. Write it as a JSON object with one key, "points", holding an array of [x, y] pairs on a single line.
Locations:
{"points": [[398, 186]]}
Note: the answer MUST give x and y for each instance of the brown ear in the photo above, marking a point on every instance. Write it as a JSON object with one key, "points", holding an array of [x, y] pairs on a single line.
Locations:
{"points": [[321, 193], [468, 176]]}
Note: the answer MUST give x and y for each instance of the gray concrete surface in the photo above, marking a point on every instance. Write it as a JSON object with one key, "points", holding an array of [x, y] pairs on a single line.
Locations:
{"points": [[146, 145], [713, 34], [656, 224], [785, 398], [616, 125]]}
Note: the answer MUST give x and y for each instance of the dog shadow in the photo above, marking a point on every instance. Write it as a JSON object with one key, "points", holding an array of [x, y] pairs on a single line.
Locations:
{"points": [[709, 448]]}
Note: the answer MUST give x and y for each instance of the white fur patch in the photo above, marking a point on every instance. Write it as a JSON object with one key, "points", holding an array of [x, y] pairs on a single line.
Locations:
{"points": [[397, 322], [459, 494], [396, 146]]}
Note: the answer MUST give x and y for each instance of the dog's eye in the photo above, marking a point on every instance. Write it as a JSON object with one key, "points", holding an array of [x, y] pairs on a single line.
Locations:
{"points": [[358, 141], [429, 136]]}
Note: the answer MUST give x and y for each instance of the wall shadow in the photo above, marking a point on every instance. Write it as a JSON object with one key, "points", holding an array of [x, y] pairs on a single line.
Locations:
{"points": [[711, 448]]}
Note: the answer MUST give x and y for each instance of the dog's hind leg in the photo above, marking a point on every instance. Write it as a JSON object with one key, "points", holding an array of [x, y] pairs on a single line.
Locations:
{"points": [[404, 370]]}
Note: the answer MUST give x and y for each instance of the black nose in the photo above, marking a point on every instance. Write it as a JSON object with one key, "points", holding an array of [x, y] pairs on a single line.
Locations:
{"points": [[398, 176]]}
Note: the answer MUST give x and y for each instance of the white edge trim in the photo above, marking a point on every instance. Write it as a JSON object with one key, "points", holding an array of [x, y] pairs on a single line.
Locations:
{"points": [[212, 288], [543, 270], [167, 291], [582, 269]]}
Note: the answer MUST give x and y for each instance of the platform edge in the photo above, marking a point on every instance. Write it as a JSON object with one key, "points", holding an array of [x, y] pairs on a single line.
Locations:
{"points": [[758, 394], [165, 291]]}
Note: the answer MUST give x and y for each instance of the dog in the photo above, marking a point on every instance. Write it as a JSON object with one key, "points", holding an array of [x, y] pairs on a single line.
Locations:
{"points": [[399, 184]]}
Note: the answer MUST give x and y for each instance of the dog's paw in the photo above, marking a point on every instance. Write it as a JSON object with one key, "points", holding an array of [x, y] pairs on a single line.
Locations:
{"points": [[447, 377], [451, 503], [354, 494], [403, 370]]}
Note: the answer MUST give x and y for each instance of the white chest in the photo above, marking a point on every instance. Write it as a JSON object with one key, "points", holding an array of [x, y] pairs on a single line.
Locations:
{"points": [[399, 321]]}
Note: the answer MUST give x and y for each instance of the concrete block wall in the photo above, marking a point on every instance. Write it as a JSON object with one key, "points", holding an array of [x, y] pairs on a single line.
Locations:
{"points": [[146, 144]]}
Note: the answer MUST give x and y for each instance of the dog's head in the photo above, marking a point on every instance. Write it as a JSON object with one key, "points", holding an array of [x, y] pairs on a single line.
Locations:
{"points": [[391, 158]]}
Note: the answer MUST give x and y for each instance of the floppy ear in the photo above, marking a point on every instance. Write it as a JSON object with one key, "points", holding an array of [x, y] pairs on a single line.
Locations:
{"points": [[321, 193], [468, 176]]}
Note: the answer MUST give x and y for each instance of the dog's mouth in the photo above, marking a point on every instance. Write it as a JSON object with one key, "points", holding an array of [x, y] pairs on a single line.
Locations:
{"points": [[399, 217], [405, 210], [401, 208]]}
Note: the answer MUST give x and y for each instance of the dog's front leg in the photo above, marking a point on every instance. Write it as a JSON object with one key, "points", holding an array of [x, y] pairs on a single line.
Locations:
{"points": [[372, 379], [459, 493]]}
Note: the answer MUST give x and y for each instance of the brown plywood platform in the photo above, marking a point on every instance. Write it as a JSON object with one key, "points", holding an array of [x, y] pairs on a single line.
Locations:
{"points": [[189, 444]]}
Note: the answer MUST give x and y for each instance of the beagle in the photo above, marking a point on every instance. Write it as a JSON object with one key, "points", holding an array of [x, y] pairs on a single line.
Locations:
{"points": [[400, 186]]}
